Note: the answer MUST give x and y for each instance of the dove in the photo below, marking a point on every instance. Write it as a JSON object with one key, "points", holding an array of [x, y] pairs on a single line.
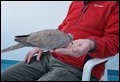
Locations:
{"points": [[48, 39]]}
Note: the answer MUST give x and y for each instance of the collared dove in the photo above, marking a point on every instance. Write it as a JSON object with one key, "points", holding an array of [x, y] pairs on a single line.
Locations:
{"points": [[48, 39]]}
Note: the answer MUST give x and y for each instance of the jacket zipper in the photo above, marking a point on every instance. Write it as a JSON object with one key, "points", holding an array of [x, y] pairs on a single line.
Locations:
{"points": [[81, 14], [85, 7]]}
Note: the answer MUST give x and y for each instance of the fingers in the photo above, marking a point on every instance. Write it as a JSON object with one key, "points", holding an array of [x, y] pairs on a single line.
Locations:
{"points": [[31, 54], [64, 51], [26, 57], [39, 55], [73, 51]]}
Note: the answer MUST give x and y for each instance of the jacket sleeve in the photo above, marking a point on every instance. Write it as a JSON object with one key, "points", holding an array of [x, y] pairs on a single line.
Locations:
{"points": [[108, 45]]}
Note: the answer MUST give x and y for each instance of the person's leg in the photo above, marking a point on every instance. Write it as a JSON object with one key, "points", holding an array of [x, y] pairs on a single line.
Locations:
{"points": [[27, 72], [59, 74], [60, 71]]}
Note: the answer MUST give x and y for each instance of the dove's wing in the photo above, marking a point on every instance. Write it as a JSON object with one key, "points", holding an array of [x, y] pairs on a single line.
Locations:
{"points": [[21, 38], [49, 39]]}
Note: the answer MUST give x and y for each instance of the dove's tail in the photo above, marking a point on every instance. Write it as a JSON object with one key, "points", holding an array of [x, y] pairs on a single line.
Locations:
{"points": [[14, 47]]}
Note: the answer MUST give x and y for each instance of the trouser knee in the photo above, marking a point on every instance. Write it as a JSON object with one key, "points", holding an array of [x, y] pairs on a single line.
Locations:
{"points": [[4, 76]]}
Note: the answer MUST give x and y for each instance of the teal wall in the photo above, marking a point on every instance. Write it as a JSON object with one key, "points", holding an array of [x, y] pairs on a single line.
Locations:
{"points": [[112, 75]]}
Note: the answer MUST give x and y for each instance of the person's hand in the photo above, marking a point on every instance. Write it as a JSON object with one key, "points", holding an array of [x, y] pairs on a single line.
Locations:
{"points": [[31, 53], [79, 47]]}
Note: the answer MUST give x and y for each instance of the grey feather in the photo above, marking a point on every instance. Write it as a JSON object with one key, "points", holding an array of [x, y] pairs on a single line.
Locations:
{"points": [[14, 47], [46, 39]]}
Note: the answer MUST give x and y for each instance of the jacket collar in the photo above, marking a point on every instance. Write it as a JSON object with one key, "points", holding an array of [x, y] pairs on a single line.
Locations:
{"points": [[85, 2]]}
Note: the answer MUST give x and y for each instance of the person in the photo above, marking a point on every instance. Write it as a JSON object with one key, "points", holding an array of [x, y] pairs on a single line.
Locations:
{"points": [[95, 26]]}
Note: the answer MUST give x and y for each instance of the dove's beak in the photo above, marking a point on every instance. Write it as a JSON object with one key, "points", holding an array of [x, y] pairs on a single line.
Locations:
{"points": [[71, 36]]}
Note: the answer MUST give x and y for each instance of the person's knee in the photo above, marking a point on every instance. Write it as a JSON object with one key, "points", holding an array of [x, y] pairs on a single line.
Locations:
{"points": [[8, 75]]}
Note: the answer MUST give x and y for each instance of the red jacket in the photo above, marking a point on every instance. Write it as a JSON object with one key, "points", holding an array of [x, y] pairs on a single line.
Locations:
{"points": [[98, 21]]}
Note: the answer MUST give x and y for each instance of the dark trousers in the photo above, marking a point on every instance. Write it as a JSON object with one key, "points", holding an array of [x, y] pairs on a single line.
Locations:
{"points": [[47, 69]]}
